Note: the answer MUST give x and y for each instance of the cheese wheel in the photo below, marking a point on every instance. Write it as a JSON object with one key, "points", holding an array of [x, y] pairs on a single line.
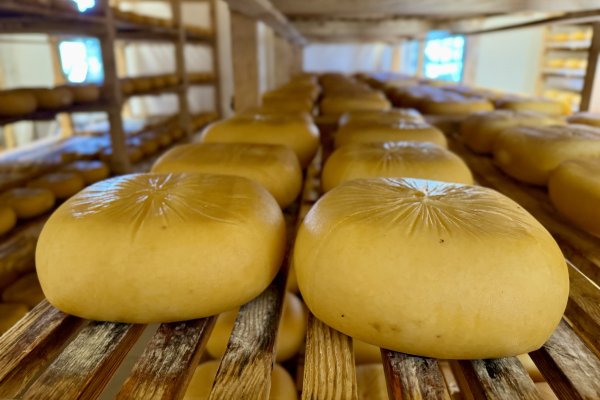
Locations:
{"points": [[127, 86], [276, 168], [532, 369], [294, 132], [454, 255], [84, 93], [149, 145], [62, 184], [544, 106], [365, 353], [134, 152], [26, 290], [16, 103], [393, 132], [449, 106], [339, 105], [182, 237], [585, 118], [141, 85], [388, 116], [8, 219], [91, 171], [164, 140], [52, 99], [394, 160], [545, 391], [574, 189], [177, 133], [290, 336], [282, 384], [480, 130], [29, 202], [10, 314], [370, 382], [530, 154]]}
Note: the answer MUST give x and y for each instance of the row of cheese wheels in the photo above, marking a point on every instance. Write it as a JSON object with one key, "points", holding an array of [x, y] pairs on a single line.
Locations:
{"points": [[21, 102], [136, 18], [63, 5], [144, 84], [546, 151], [569, 63]]}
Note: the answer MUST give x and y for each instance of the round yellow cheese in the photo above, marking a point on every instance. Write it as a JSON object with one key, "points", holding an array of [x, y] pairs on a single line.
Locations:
{"points": [[282, 384], [377, 117], [532, 369], [134, 152], [29, 202], [84, 93], [26, 290], [290, 336], [164, 140], [365, 353], [530, 154], [286, 104], [480, 130], [92, 171], [127, 86], [545, 391], [275, 167], [295, 132], [394, 160], [454, 106], [141, 85], [339, 105], [177, 133], [149, 145], [399, 131], [182, 238], [52, 99], [430, 268], [62, 184], [574, 189], [15, 103], [370, 382], [585, 118], [8, 219], [10, 314], [544, 106]]}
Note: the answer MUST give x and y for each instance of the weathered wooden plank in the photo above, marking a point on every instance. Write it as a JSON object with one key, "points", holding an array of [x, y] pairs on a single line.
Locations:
{"points": [[168, 362], [410, 377], [571, 369], [87, 363], [246, 74], [499, 379], [329, 369]]}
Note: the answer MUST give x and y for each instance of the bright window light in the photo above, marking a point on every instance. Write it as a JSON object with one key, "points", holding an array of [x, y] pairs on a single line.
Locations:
{"points": [[85, 5], [444, 56], [82, 60]]}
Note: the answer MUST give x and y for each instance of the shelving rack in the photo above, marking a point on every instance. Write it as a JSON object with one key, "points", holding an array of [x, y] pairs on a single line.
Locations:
{"points": [[101, 22]]}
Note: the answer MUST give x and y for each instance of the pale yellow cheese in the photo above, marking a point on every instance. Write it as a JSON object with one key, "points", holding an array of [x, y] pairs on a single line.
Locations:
{"points": [[150, 248], [365, 353], [574, 189], [530, 154], [450, 106], [15, 103], [29, 202], [26, 290], [393, 160], [377, 116], [288, 130], [585, 118], [275, 167], [52, 99], [10, 314], [290, 335], [545, 106], [370, 382], [341, 104], [84, 93], [62, 184], [8, 219], [391, 132], [432, 269], [282, 384], [92, 171], [480, 130]]}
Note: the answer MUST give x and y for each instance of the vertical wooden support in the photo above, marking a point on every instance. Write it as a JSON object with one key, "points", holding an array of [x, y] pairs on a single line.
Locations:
{"points": [[246, 79], [396, 57], [297, 59], [470, 59], [216, 54], [590, 97], [421, 58], [122, 71], [64, 120], [112, 90], [184, 107]]}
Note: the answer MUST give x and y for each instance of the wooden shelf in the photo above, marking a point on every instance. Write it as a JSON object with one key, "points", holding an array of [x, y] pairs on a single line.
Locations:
{"points": [[156, 92], [579, 45], [571, 73], [51, 114]]}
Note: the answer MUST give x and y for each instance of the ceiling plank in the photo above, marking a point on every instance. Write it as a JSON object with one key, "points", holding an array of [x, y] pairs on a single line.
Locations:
{"points": [[387, 30]]}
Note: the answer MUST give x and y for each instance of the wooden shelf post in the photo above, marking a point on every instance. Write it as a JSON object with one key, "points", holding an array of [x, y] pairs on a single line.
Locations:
{"points": [[185, 120], [244, 37], [216, 61], [590, 96]]}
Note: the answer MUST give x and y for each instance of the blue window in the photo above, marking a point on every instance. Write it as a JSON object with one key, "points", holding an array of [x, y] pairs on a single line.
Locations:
{"points": [[82, 60], [85, 5], [444, 56]]}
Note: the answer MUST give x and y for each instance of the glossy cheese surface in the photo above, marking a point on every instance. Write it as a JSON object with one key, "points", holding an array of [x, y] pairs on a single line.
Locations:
{"points": [[29, 202], [390, 132]]}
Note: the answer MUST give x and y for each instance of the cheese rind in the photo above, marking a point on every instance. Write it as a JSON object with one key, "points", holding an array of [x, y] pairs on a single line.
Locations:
{"points": [[91, 171], [393, 160], [446, 270], [161, 247], [62, 184], [8, 219], [391, 132], [29, 202]]}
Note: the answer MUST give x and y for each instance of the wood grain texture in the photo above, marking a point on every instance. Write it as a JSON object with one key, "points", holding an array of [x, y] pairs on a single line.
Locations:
{"points": [[87, 363], [413, 378], [168, 362], [246, 74], [571, 369], [329, 368], [499, 379]]}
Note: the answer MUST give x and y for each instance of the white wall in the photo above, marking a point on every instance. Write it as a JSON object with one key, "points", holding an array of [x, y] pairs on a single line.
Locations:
{"points": [[348, 58]]}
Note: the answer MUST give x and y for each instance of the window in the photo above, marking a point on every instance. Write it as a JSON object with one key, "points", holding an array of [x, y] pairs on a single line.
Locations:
{"points": [[85, 5], [444, 55], [81, 60]]}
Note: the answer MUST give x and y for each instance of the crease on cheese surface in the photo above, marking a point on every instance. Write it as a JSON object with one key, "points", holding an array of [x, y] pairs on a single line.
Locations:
{"points": [[429, 268], [161, 247]]}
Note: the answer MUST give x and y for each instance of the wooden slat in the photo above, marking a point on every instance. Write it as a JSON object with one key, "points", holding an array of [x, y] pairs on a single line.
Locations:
{"points": [[499, 379], [168, 362], [413, 378], [590, 94], [329, 369], [571, 369], [87, 363], [246, 75], [583, 309]]}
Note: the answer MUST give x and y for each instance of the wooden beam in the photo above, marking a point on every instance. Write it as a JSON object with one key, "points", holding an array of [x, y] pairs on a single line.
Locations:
{"points": [[246, 73], [216, 60], [64, 120], [387, 30], [264, 11], [185, 122], [590, 96]]}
